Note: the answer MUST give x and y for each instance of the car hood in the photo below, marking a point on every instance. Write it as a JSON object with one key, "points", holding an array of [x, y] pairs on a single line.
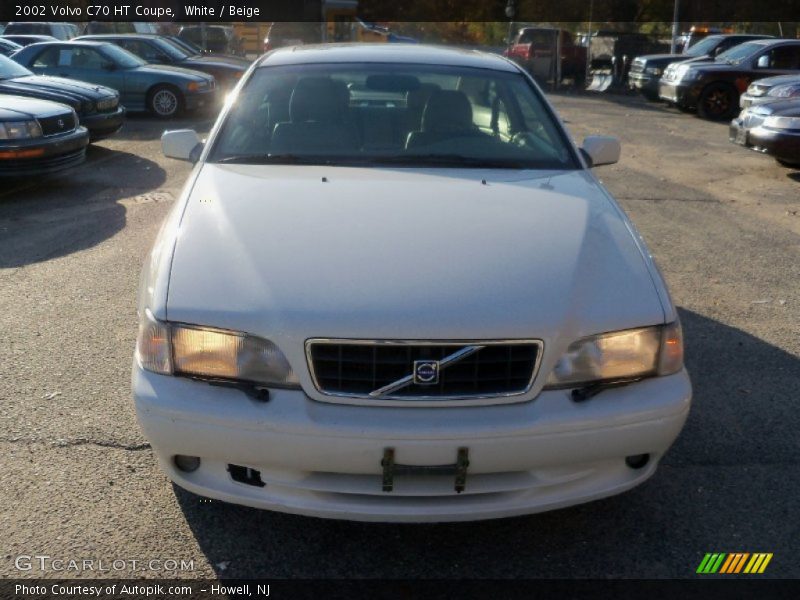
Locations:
{"points": [[769, 82], [19, 107], [291, 253], [56, 85], [219, 62], [161, 70], [659, 59]]}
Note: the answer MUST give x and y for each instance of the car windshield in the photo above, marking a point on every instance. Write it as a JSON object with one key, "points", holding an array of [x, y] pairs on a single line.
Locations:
{"points": [[739, 53], [121, 57], [10, 69], [703, 47], [392, 114], [171, 49]]}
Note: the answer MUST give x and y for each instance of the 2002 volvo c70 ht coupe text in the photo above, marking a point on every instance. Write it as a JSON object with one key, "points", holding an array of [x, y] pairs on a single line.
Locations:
{"points": [[393, 290]]}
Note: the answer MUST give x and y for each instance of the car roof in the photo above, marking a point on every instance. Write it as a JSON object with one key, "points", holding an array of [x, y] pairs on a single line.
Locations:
{"points": [[99, 36], [385, 53]]}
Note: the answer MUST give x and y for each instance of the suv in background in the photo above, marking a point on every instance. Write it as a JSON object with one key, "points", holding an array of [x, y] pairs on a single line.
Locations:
{"points": [[60, 31], [218, 38], [647, 70]]}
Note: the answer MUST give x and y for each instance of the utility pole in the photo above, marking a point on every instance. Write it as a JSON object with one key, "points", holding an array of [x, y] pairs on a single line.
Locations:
{"points": [[511, 12], [675, 30]]}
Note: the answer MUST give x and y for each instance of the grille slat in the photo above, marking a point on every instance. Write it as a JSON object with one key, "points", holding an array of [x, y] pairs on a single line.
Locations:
{"points": [[355, 369]]}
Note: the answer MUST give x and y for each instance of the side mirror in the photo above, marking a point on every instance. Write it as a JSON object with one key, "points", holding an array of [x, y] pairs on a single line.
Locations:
{"points": [[109, 66], [601, 150], [183, 144], [763, 62]]}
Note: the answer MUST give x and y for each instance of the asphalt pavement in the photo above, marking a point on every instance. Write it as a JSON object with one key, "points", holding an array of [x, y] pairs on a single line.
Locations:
{"points": [[79, 481]]}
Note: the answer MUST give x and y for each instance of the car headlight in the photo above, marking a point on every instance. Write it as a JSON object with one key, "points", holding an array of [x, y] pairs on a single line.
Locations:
{"points": [[785, 91], [619, 356], [653, 71], [107, 103], [177, 349], [196, 86], [782, 122], [20, 130], [686, 73]]}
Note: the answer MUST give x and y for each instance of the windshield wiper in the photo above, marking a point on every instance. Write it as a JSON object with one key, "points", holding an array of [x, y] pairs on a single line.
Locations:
{"points": [[448, 160], [274, 159]]}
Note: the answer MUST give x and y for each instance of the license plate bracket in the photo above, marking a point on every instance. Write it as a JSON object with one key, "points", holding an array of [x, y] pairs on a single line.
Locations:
{"points": [[458, 469]]}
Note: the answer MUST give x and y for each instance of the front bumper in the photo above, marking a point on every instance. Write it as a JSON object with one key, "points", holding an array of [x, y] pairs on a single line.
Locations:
{"points": [[200, 100], [782, 144], [682, 94], [52, 154], [646, 84], [324, 460], [738, 133], [102, 125]]}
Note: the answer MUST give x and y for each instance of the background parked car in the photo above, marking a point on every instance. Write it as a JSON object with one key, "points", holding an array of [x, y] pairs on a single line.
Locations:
{"points": [[96, 27], [39, 136], [27, 40], [158, 50], [647, 70], [771, 89], [98, 107], [772, 128], [60, 31], [713, 87], [194, 50], [218, 38], [165, 91], [7, 47]]}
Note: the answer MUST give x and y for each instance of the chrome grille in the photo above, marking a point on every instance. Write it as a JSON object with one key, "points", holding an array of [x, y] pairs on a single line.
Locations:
{"points": [[481, 369], [58, 124], [637, 66]]}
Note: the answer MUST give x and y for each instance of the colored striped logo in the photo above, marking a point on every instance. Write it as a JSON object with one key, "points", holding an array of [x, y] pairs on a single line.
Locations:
{"points": [[736, 562]]}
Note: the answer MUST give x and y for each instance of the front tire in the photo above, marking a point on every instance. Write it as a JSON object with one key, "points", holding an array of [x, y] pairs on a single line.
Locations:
{"points": [[718, 101], [165, 101]]}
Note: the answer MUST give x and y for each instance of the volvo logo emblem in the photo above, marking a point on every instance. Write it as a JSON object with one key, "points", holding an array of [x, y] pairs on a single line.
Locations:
{"points": [[426, 372]]}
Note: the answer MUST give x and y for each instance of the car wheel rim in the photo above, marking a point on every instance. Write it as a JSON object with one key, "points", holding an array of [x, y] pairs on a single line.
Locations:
{"points": [[165, 103], [717, 102]]}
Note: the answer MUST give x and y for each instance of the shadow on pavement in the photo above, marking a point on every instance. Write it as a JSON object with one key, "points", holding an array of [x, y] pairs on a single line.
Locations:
{"points": [[707, 495], [64, 213]]}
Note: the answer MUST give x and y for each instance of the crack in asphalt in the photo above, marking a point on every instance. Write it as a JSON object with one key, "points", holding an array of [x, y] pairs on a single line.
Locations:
{"points": [[77, 442]]}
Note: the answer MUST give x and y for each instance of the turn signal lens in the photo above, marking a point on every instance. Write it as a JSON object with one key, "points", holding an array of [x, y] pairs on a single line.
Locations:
{"points": [[670, 358], [153, 345]]}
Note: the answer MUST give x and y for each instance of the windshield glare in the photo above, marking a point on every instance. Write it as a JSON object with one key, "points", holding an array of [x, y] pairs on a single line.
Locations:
{"points": [[738, 53], [398, 114], [10, 69], [121, 57], [703, 47]]}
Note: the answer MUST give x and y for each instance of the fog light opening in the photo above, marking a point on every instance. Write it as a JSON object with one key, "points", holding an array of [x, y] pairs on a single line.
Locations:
{"points": [[637, 461], [187, 464], [245, 475]]}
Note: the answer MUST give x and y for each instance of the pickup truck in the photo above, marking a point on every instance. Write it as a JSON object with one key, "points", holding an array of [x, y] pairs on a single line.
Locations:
{"points": [[534, 49]]}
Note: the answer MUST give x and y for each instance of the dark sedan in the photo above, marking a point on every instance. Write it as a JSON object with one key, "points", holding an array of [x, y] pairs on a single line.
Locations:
{"points": [[156, 49], [38, 137], [7, 47], [713, 87], [647, 70], [97, 107], [772, 128]]}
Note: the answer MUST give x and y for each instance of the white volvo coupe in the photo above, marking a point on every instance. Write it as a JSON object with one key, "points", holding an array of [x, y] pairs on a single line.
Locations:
{"points": [[393, 290]]}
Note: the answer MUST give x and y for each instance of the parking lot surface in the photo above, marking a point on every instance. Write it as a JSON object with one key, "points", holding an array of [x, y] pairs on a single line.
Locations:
{"points": [[79, 481]]}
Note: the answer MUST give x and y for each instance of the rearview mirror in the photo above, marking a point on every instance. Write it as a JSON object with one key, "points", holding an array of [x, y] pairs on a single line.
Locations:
{"points": [[183, 144], [601, 150]]}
